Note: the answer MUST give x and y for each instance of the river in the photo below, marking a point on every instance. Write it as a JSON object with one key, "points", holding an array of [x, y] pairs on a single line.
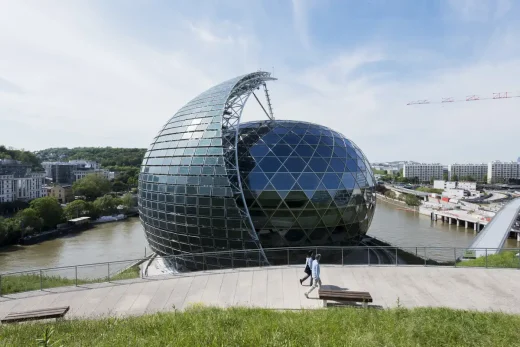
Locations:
{"points": [[125, 241]]}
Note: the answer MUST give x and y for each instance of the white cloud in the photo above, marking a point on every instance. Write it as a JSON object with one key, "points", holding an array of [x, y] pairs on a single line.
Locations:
{"points": [[85, 81], [208, 36], [300, 21], [479, 10]]}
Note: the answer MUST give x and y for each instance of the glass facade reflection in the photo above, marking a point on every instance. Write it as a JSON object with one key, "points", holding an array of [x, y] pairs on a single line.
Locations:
{"points": [[304, 184], [208, 184]]}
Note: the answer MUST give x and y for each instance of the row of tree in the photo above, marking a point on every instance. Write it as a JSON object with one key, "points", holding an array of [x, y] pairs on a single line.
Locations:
{"points": [[20, 155], [106, 156], [46, 213]]}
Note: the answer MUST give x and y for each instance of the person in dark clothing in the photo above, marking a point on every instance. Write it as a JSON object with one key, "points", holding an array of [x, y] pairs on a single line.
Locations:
{"points": [[308, 267]]}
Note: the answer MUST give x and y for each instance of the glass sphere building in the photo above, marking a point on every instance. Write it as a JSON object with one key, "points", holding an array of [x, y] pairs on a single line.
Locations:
{"points": [[210, 184]]}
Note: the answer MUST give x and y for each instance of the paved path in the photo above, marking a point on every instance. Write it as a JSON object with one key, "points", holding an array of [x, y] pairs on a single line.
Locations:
{"points": [[279, 288]]}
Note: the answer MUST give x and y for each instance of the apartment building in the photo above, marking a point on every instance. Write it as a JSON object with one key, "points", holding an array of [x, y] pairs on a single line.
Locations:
{"points": [[6, 188], [501, 172], [450, 185], [476, 171], [18, 182], [423, 172], [29, 187]]}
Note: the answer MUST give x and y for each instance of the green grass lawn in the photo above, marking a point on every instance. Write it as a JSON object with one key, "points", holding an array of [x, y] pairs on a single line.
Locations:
{"points": [[504, 259], [201, 326], [23, 283]]}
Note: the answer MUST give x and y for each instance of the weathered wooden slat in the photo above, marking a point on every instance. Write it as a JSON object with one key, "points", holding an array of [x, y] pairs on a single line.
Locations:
{"points": [[15, 314], [64, 308], [341, 295], [46, 313], [352, 299]]}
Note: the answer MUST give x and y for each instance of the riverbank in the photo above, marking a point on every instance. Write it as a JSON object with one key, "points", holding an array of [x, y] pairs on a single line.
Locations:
{"points": [[402, 205], [69, 230]]}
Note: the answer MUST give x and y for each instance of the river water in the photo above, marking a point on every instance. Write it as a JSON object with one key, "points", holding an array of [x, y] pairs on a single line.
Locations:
{"points": [[125, 241]]}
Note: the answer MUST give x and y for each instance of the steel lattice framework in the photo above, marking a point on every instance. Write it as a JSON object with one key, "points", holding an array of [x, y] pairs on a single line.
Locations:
{"points": [[231, 122]]}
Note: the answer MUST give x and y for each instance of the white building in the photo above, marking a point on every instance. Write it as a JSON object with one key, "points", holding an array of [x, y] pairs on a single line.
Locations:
{"points": [[29, 187], [446, 185], [21, 188], [17, 182], [501, 172], [423, 172], [476, 171], [440, 184]]}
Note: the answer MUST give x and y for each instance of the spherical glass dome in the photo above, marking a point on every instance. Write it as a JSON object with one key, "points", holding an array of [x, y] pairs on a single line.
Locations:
{"points": [[211, 184], [304, 184]]}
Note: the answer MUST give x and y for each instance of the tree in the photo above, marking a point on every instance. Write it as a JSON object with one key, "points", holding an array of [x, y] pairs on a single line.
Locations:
{"points": [[128, 201], [29, 218], [445, 176], [485, 178], [49, 210], [75, 209], [455, 178], [119, 186], [412, 200], [91, 186], [390, 194], [107, 204], [10, 231]]}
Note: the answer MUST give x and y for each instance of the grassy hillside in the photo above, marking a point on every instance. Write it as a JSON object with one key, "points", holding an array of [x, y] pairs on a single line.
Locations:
{"points": [[201, 326]]}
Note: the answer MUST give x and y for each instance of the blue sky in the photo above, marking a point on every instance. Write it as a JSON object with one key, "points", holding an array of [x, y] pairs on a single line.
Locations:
{"points": [[111, 73]]}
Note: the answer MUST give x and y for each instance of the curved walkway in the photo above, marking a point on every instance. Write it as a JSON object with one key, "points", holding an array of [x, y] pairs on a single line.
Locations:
{"points": [[279, 288], [492, 238]]}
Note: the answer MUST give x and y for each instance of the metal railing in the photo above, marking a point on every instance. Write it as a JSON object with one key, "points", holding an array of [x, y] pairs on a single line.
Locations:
{"points": [[368, 255]]}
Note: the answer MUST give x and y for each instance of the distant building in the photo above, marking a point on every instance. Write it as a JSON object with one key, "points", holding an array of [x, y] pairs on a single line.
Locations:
{"points": [[471, 186], [62, 193], [6, 188], [441, 184], [450, 185], [423, 172], [29, 187], [79, 174], [86, 164], [18, 182], [476, 171], [60, 172], [501, 172], [73, 170]]}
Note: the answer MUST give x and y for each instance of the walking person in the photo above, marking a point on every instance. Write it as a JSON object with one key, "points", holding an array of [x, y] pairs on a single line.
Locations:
{"points": [[315, 274], [308, 267]]}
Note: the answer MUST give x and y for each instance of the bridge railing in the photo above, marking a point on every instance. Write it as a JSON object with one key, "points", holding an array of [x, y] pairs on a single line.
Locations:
{"points": [[113, 271]]}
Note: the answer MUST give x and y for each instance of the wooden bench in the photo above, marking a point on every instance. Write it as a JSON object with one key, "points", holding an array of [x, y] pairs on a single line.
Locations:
{"points": [[344, 296], [46, 313]]}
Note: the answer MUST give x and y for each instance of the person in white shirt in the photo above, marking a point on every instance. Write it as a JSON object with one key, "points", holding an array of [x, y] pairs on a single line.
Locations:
{"points": [[308, 267], [315, 274]]}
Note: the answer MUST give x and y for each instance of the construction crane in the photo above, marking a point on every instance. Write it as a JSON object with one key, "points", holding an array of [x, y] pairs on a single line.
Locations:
{"points": [[496, 96]]}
